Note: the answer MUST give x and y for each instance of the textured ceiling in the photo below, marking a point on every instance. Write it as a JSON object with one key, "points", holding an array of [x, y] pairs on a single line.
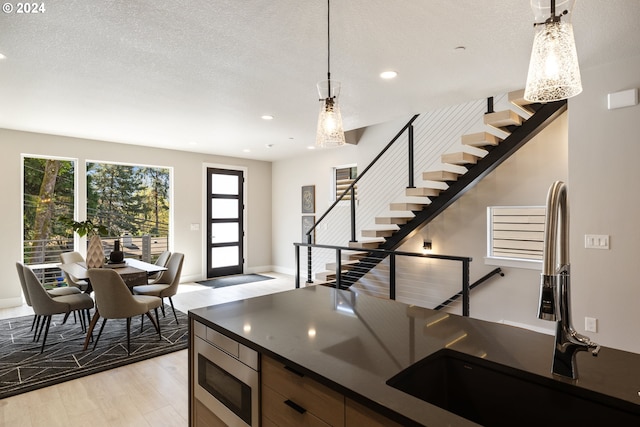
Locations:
{"points": [[197, 75]]}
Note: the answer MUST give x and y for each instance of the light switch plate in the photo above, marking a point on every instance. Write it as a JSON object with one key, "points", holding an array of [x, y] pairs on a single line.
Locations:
{"points": [[591, 324], [596, 241]]}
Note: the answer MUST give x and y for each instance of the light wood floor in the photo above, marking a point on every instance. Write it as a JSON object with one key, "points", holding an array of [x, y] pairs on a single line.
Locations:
{"points": [[150, 393]]}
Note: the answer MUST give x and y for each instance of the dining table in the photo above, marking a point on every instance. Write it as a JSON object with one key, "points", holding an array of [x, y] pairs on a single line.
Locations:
{"points": [[133, 271]]}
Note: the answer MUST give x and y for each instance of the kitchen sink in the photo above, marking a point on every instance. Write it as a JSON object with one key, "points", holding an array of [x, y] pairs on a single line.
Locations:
{"points": [[496, 395]]}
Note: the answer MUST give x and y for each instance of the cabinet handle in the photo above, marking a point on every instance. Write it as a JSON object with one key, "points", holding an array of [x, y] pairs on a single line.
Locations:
{"points": [[295, 406], [300, 374]]}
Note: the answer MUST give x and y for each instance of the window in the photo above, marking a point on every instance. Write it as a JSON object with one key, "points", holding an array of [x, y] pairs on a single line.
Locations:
{"points": [[131, 201], [343, 177], [48, 193], [515, 233]]}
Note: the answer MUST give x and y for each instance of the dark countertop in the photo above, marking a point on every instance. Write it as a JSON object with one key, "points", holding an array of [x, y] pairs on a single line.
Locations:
{"points": [[355, 343]]}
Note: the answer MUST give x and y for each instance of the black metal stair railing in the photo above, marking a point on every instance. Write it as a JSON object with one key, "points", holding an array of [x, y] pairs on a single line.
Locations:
{"points": [[465, 263], [520, 135], [474, 285], [351, 189]]}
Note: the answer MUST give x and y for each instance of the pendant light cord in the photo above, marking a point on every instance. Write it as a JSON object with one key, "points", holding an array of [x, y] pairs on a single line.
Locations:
{"points": [[329, 46]]}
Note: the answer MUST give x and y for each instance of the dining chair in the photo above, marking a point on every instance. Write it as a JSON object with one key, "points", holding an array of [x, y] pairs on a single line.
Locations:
{"points": [[115, 301], [45, 305], [161, 262], [70, 258], [55, 292], [167, 286]]}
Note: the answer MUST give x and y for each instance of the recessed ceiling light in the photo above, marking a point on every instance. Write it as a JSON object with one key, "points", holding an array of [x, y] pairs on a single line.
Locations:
{"points": [[246, 150], [311, 147], [193, 143], [267, 117], [388, 75], [269, 145], [2, 56]]}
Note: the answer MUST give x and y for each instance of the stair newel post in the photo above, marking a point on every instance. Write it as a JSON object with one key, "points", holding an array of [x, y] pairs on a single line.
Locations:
{"points": [[392, 276], [309, 272], [465, 288], [410, 145], [353, 213], [338, 267]]}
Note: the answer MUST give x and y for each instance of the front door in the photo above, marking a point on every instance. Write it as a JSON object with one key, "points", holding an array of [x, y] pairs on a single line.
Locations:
{"points": [[225, 228]]}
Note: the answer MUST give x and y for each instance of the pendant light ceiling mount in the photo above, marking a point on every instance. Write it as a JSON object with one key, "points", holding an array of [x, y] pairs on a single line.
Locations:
{"points": [[330, 132], [554, 73]]}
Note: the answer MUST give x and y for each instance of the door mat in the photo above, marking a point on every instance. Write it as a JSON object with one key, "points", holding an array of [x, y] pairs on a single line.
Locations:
{"points": [[238, 279], [23, 368]]}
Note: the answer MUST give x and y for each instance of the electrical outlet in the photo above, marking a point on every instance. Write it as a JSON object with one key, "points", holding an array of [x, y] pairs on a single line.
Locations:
{"points": [[591, 324]]}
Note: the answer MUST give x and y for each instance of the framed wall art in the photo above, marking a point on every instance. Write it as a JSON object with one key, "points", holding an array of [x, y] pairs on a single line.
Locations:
{"points": [[309, 199]]}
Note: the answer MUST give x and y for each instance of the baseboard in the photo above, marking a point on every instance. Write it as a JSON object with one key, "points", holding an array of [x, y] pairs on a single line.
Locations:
{"points": [[283, 270], [11, 302]]}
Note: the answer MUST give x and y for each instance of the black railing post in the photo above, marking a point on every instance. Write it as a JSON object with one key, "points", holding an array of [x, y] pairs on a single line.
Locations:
{"points": [[489, 105], [392, 276], [465, 288], [353, 214], [338, 267], [410, 144], [309, 261], [297, 266]]}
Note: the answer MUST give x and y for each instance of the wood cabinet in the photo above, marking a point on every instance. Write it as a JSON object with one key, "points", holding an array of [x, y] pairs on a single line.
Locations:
{"points": [[290, 398], [357, 415]]}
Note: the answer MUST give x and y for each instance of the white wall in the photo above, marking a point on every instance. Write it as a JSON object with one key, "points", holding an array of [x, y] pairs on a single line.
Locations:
{"points": [[604, 148], [188, 193]]}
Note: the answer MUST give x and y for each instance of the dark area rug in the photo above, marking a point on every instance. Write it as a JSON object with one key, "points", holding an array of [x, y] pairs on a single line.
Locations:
{"points": [[23, 368], [237, 279]]}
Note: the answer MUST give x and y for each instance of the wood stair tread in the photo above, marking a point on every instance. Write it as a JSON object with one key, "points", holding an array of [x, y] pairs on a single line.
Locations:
{"points": [[407, 206], [516, 98], [422, 192], [503, 118], [366, 244], [440, 176], [480, 139], [392, 220], [460, 158], [377, 233], [346, 265]]}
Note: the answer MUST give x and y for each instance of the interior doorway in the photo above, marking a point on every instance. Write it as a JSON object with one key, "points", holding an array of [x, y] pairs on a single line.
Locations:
{"points": [[225, 225]]}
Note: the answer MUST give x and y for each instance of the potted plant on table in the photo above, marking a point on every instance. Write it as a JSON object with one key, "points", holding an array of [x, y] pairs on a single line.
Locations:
{"points": [[95, 252]]}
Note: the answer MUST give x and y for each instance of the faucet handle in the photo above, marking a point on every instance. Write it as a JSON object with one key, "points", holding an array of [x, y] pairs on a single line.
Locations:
{"points": [[596, 350]]}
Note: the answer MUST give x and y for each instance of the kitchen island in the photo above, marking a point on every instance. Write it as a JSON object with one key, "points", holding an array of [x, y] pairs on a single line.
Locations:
{"points": [[352, 344]]}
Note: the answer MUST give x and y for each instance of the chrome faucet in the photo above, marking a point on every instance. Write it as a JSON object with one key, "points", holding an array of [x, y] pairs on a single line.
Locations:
{"points": [[554, 285]]}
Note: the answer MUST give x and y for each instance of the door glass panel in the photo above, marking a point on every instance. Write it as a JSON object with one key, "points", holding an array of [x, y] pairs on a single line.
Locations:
{"points": [[224, 184], [224, 208], [224, 256], [224, 232]]}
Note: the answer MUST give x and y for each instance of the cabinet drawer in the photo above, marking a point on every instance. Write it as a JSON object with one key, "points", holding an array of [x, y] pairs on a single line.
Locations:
{"points": [[316, 398], [357, 415], [276, 412]]}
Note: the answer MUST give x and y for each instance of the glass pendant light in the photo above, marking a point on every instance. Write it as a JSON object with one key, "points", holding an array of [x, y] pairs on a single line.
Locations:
{"points": [[330, 132], [554, 73]]}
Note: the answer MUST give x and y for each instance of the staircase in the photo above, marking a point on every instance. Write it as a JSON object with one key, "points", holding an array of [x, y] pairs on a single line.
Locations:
{"points": [[481, 153]]}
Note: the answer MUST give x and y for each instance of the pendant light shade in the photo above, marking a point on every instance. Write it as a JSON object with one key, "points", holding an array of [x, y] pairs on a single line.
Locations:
{"points": [[330, 132], [554, 73]]}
